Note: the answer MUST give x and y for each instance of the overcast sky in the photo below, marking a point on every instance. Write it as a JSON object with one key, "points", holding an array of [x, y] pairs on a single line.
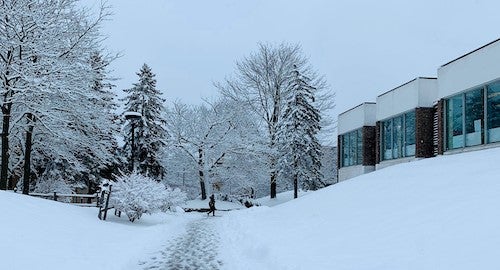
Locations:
{"points": [[364, 48]]}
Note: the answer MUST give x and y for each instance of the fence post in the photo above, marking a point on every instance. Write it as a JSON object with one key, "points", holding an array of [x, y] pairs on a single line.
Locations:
{"points": [[55, 196], [107, 203]]}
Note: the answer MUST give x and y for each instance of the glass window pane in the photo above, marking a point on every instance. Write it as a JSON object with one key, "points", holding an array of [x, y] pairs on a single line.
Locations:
{"points": [[454, 122], [410, 134], [397, 137], [493, 111], [345, 150], [359, 147], [387, 136], [352, 148], [474, 116]]}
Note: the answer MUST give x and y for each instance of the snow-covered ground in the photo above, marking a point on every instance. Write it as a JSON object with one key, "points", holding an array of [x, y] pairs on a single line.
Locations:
{"points": [[43, 234], [439, 213]]}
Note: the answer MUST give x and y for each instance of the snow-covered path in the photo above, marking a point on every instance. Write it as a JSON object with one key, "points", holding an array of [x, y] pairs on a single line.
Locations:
{"points": [[196, 249]]}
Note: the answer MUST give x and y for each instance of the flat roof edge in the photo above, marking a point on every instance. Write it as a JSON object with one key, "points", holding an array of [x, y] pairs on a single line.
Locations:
{"points": [[372, 103], [408, 82], [471, 52]]}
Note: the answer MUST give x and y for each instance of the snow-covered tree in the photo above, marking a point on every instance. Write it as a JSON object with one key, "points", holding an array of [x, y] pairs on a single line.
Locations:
{"points": [[136, 195], [215, 145], [198, 131], [45, 47], [150, 134], [300, 151], [55, 179], [261, 85]]}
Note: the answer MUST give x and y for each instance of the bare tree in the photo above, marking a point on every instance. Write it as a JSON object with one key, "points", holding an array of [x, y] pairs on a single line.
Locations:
{"points": [[261, 83], [198, 131]]}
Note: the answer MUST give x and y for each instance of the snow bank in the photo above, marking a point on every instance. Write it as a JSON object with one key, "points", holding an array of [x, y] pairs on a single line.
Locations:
{"points": [[220, 205], [281, 197], [439, 213], [43, 234]]}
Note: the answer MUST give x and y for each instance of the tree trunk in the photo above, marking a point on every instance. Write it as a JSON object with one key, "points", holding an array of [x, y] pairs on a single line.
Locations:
{"points": [[272, 130], [273, 185], [27, 155], [202, 175], [5, 146], [203, 190], [295, 179], [295, 186]]}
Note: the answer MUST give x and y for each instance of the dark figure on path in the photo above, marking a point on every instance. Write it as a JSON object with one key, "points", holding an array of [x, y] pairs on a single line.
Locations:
{"points": [[211, 204]]}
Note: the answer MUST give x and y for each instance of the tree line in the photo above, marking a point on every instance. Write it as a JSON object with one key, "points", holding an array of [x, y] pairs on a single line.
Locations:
{"points": [[61, 130]]}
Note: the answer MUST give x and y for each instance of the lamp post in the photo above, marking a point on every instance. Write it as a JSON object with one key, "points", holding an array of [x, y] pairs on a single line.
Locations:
{"points": [[132, 116]]}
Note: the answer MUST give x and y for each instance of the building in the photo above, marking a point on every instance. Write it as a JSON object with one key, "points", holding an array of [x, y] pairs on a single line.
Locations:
{"points": [[405, 122], [455, 112], [356, 141], [469, 100]]}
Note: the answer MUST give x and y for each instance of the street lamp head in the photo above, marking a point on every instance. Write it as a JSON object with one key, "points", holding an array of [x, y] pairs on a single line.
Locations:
{"points": [[132, 115]]}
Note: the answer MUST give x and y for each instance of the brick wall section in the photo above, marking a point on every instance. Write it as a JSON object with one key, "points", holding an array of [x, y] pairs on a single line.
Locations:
{"points": [[378, 130], [440, 130], [369, 145], [424, 135]]}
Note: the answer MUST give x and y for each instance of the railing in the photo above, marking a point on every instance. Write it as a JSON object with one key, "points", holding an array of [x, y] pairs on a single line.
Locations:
{"points": [[93, 198]]}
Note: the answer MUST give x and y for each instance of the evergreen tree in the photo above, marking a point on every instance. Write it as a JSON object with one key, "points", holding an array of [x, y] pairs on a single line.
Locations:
{"points": [[300, 151], [150, 134]]}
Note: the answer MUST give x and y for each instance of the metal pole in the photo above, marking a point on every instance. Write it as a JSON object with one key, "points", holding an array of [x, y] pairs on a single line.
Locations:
{"points": [[132, 169]]}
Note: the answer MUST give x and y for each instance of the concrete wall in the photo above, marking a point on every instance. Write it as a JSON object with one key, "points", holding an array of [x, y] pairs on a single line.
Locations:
{"points": [[476, 68], [353, 171], [420, 92], [357, 117], [387, 163]]}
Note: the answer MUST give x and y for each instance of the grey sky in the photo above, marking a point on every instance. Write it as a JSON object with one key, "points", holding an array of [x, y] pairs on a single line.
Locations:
{"points": [[363, 47]]}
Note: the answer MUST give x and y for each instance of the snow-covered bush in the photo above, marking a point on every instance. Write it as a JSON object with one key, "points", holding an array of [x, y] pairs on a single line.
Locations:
{"points": [[53, 184], [174, 197], [136, 194]]}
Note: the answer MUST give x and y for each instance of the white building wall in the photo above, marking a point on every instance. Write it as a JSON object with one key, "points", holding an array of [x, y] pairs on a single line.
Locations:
{"points": [[471, 70], [428, 92], [421, 92], [357, 117], [353, 171]]}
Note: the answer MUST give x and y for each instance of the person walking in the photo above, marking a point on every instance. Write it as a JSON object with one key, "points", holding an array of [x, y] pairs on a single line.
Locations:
{"points": [[211, 205]]}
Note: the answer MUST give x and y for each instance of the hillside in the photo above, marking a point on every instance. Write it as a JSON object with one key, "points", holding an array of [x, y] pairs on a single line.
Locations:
{"points": [[439, 213]]}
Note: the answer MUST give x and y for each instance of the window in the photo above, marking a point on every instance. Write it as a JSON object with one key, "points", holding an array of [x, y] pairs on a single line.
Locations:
{"points": [[454, 122], [352, 148], [398, 136], [345, 152], [493, 109], [409, 134], [359, 147], [387, 145], [474, 115]]}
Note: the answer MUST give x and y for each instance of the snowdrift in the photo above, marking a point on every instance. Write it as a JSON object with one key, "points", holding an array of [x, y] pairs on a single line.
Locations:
{"points": [[43, 234], [438, 213]]}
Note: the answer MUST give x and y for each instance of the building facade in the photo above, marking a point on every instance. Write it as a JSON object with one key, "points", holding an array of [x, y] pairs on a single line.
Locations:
{"points": [[455, 112], [356, 141], [405, 122], [469, 96]]}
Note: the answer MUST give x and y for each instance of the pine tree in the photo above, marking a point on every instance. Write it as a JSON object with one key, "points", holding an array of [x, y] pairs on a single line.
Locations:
{"points": [[150, 134], [300, 151]]}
